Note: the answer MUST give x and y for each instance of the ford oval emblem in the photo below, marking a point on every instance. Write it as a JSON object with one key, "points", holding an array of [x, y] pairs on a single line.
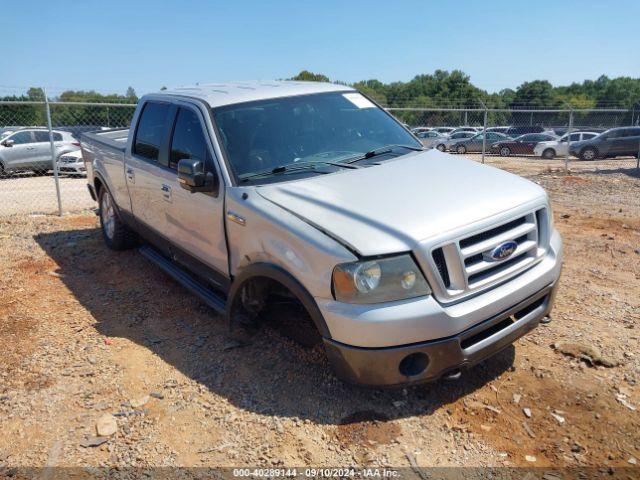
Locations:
{"points": [[503, 251]]}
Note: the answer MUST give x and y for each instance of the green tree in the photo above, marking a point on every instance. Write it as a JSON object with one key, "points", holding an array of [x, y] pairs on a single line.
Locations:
{"points": [[307, 76]]}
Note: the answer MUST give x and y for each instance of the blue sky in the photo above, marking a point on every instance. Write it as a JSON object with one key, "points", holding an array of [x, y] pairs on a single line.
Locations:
{"points": [[108, 46]]}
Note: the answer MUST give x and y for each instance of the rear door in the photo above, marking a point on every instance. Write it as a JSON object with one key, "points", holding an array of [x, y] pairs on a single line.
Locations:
{"points": [[615, 141], [144, 173], [527, 143], [43, 148]]}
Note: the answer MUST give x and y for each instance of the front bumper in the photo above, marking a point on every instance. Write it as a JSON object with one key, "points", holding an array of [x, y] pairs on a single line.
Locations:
{"points": [[428, 361]]}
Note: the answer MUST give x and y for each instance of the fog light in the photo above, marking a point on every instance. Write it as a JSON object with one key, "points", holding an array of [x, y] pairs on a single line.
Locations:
{"points": [[414, 364]]}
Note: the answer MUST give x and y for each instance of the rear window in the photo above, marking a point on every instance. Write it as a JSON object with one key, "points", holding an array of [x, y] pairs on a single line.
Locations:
{"points": [[151, 128]]}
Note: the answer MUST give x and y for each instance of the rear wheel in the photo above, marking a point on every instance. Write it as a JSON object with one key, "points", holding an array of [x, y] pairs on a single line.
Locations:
{"points": [[461, 149], [505, 151], [549, 153], [116, 234], [589, 154]]}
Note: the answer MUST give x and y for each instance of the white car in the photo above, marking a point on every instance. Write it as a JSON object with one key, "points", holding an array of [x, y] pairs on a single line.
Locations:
{"points": [[555, 148], [72, 163]]}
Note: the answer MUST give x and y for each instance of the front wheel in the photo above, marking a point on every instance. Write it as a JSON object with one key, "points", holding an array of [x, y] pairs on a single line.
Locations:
{"points": [[588, 154], [441, 147], [505, 151], [461, 149], [116, 234], [549, 153]]}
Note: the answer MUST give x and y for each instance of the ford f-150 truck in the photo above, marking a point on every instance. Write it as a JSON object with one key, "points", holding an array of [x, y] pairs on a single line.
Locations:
{"points": [[411, 265]]}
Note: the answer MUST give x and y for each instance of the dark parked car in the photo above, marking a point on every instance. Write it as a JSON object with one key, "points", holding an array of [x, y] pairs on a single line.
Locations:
{"points": [[514, 132], [522, 145], [617, 142]]}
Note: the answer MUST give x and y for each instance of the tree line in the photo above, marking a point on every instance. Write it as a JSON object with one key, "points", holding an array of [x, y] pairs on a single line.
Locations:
{"points": [[441, 89], [454, 89]]}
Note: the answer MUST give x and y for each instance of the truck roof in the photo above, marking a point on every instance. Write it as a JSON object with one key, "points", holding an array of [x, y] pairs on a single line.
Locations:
{"points": [[219, 94]]}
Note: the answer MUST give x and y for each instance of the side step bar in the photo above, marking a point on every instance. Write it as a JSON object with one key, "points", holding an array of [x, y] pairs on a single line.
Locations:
{"points": [[187, 281]]}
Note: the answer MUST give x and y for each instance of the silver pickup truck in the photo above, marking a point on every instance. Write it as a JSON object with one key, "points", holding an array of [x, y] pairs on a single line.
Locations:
{"points": [[410, 265]]}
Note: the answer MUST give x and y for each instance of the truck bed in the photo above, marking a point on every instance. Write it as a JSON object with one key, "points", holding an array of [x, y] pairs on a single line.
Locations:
{"points": [[115, 138]]}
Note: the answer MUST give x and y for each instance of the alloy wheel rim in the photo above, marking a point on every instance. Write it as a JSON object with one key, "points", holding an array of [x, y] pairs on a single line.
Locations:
{"points": [[108, 215]]}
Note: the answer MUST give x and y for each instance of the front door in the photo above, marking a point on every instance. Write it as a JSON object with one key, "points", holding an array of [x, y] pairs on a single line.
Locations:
{"points": [[20, 153], [195, 221]]}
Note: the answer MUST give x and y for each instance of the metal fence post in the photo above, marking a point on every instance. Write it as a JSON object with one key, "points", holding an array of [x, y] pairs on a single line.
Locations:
{"points": [[484, 130], [566, 157], [53, 152]]}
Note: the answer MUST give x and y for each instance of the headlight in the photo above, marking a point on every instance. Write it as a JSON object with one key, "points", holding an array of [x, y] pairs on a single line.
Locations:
{"points": [[377, 281]]}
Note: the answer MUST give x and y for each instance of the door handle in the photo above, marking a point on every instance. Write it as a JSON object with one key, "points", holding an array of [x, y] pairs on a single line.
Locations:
{"points": [[31, 148], [131, 176], [166, 192]]}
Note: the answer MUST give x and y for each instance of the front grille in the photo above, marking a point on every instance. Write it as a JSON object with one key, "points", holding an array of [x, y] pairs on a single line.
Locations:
{"points": [[482, 236], [465, 264], [438, 257]]}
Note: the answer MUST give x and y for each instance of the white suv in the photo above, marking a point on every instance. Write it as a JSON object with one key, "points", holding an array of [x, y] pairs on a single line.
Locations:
{"points": [[559, 147]]}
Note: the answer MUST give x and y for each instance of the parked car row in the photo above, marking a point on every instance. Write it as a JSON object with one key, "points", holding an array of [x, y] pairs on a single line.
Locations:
{"points": [[533, 140]]}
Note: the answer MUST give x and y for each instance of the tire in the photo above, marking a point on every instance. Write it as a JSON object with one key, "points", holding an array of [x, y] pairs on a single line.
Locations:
{"points": [[588, 154], [505, 151], [441, 147], [549, 153], [461, 149], [116, 234]]}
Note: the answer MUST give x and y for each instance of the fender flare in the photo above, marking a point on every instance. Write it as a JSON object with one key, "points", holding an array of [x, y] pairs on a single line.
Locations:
{"points": [[279, 274]]}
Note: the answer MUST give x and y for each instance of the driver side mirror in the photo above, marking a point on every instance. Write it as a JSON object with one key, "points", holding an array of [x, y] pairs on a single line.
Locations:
{"points": [[8, 143], [192, 177]]}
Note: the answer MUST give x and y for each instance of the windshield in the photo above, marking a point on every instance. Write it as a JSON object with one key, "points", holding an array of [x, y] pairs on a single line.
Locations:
{"points": [[326, 127]]}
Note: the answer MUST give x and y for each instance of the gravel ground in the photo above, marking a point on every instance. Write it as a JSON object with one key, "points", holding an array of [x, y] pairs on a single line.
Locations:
{"points": [[93, 339], [27, 193]]}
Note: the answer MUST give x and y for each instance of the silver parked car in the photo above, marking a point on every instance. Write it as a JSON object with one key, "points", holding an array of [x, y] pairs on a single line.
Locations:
{"points": [[450, 140], [430, 138], [474, 143], [27, 149], [408, 265]]}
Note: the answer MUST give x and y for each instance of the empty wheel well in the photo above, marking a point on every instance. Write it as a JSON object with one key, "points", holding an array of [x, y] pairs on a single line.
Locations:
{"points": [[265, 294], [263, 301], [97, 183]]}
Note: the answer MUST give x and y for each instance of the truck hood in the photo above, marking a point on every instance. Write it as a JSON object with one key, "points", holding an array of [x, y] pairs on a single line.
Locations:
{"points": [[391, 207]]}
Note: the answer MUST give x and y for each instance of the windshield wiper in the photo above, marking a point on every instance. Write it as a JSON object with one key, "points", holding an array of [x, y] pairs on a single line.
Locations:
{"points": [[381, 151], [292, 168]]}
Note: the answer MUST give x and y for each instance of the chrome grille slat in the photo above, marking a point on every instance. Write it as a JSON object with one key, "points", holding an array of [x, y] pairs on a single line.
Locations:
{"points": [[494, 242], [484, 265], [465, 261]]}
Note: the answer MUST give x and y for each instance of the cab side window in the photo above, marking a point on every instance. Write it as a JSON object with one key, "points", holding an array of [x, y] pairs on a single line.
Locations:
{"points": [[188, 141], [21, 138], [41, 136], [151, 128]]}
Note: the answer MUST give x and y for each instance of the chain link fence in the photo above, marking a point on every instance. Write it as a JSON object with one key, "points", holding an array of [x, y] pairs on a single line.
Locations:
{"points": [[485, 131], [41, 167]]}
